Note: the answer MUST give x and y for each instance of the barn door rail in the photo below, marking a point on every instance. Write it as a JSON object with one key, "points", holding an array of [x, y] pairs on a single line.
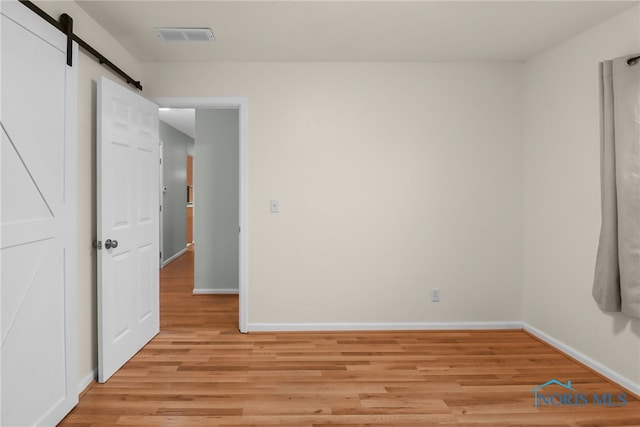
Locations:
{"points": [[65, 25]]}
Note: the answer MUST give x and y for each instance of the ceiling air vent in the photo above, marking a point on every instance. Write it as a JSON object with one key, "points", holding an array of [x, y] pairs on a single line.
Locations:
{"points": [[185, 34]]}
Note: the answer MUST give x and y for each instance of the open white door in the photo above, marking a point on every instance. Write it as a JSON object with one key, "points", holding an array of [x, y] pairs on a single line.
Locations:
{"points": [[128, 230], [39, 209]]}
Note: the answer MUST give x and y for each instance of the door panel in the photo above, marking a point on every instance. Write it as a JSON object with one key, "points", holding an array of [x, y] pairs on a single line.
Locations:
{"points": [[26, 203], [121, 269], [146, 272], [38, 246], [128, 212], [147, 165]]}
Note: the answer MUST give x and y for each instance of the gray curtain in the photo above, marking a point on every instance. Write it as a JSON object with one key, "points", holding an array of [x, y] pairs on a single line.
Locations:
{"points": [[616, 285]]}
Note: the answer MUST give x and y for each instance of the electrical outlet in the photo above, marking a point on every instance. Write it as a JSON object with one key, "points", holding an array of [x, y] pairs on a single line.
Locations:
{"points": [[435, 295], [274, 205]]}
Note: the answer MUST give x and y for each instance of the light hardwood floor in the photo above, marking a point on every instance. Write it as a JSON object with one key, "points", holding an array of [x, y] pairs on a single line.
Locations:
{"points": [[199, 371]]}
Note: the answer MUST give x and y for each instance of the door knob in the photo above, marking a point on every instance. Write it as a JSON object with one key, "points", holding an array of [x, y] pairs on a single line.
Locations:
{"points": [[111, 244]]}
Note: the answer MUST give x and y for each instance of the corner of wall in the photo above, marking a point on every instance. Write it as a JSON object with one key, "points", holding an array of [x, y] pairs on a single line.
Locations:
{"points": [[562, 201]]}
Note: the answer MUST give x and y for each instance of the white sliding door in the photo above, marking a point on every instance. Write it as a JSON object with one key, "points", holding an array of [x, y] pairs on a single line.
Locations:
{"points": [[39, 241]]}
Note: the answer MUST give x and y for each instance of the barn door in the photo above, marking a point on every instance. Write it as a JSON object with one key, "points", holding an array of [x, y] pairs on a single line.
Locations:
{"points": [[128, 225], [38, 215]]}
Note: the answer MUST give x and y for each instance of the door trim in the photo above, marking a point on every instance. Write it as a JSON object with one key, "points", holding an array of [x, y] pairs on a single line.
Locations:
{"points": [[161, 203], [241, 104]]}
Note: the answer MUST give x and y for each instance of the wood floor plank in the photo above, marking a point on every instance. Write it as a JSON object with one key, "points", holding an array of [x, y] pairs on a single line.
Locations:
{"points": [[200, 371]]}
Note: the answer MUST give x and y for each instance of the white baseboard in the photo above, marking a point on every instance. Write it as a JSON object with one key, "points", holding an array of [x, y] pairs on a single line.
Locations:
{"points": [[87, 380], [174, 257], [215, 291], [400, 326], [584, 359]]}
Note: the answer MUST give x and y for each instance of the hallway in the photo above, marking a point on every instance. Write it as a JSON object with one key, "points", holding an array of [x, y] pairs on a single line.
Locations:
{"points": [[181, 310]]}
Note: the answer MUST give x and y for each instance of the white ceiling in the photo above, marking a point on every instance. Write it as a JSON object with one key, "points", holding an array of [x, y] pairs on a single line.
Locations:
{"points": [[350, 30], [183, 119]]}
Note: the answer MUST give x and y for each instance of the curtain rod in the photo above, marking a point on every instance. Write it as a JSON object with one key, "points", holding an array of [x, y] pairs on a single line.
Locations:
{"points": [[66, 26]]}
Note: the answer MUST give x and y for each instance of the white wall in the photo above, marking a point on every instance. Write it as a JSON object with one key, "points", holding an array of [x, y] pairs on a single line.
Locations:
{"points": [[216, 179], [88, 72], [174, 200], [392, 178], [395, 178], [562, 196]]}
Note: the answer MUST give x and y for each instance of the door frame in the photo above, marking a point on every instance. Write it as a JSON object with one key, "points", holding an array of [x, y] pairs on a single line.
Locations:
{"points": [[241, 104], [161, 202]]}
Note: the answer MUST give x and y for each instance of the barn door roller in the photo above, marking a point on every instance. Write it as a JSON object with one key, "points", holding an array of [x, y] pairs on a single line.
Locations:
{"points": [[66, 26]]}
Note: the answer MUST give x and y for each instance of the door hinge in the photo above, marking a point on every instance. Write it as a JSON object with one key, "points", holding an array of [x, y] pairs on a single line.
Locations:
{"points": [[160, 208]]}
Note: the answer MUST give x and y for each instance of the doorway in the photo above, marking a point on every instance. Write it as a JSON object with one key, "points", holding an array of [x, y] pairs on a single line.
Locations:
{"points": [[239, 105], [177, 132]]}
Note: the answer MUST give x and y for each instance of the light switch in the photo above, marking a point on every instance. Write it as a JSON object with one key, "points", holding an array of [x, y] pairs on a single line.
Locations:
{"points": [[275, 205]]}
